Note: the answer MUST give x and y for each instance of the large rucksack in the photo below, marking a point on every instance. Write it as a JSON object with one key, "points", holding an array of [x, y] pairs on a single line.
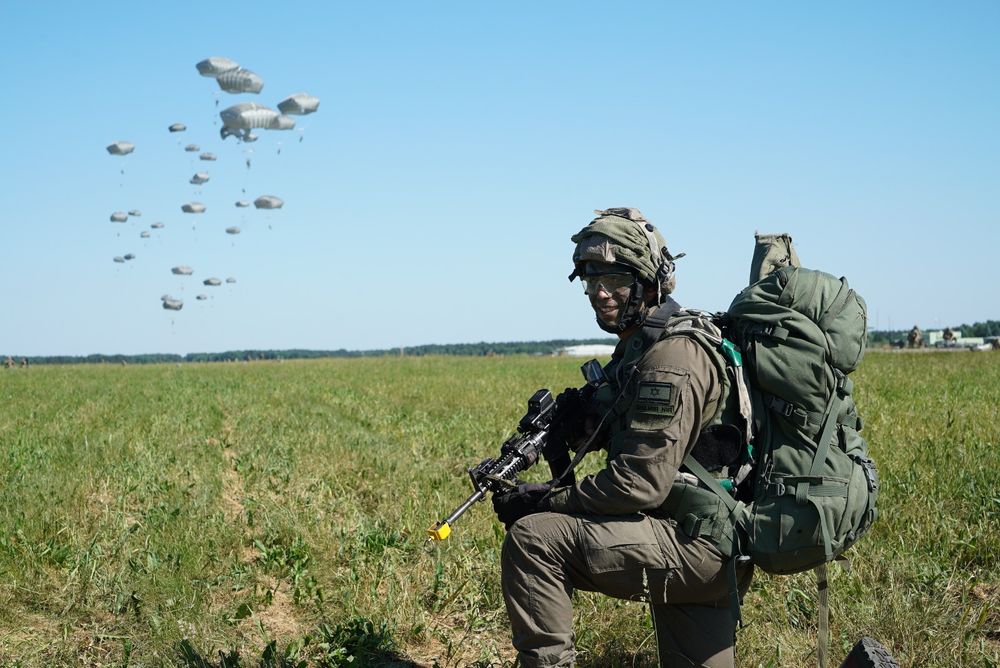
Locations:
{"points": [[801, 332], [806, 489]]}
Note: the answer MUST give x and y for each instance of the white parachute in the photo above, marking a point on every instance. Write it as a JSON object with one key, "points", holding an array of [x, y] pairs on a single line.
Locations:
{"points": [[268, 202], [144, 234], [230, 280], [299, 104], [177, 127], [119, 217], [157, 226], [242, 204], [119, 259], [192, 148], [212, 281], [193, 207], [171, 304], [182, 270], [216, 65], [240, 81], [121, 148], [210, 157], [199, 178], [135, 213], [232, 230], [239, 119], [201, 298]]}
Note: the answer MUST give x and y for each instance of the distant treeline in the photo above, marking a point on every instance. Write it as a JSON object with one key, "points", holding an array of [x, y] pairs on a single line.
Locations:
{"points": [[887, 337], [483, 349], [466, 349]]}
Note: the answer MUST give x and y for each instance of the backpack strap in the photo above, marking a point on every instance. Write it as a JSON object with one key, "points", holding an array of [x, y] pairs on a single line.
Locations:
{"points": [[736, 509], [656, 322]]}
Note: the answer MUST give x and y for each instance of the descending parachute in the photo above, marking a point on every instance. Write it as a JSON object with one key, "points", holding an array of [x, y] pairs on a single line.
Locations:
{"points": [[177, 127], [144, 234], [172, 304], [299, 104], [240, 81], [199, 178], [157, 226], [135, 213], [182, 270], [207, 156], [121, 148], [192, 148], [119, 217], [230, 280], [212, 281], [268, 202], [239, 119], [119, 259], [232, 230], [193, 207], [242, 204], [129, 256], [201, 298], [216, 65]]}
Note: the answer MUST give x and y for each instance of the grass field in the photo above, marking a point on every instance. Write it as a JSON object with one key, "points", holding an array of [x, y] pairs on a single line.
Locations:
{"points": [[273, 514]]}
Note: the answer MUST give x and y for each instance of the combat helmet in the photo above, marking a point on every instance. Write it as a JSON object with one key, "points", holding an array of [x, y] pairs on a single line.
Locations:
{"points": [[623, 236]]}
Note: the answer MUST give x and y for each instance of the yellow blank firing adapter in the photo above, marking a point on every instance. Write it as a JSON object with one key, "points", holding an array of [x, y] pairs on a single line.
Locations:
{"points": [[439, 531]]}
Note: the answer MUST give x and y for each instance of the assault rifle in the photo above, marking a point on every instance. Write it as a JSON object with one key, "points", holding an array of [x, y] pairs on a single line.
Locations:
{"points": [[521, 451]]}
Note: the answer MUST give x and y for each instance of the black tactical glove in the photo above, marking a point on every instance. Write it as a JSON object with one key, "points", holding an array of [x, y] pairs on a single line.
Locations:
{"points": [[523, 500], [568, 420]]}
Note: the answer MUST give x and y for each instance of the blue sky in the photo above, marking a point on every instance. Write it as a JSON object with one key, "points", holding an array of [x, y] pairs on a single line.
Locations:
{"points": [[459, 145]]}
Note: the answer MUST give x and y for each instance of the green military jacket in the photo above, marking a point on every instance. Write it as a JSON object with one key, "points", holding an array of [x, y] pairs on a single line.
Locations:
{"points": [[659, 397]]}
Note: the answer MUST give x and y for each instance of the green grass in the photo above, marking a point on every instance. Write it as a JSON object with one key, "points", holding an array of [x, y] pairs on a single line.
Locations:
{"points": [[273, 514]]}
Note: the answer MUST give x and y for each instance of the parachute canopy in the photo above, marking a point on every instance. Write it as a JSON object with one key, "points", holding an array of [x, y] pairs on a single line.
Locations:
{"points": [[121, 148], [199, 178], [240, 81], [177, 127], [119, 259], [192, 148], [157, 226], [201, 298], [119, 217], [135, 213], [232, 230], [230, 280], [216, 65], [299, 104], [268, 202], [242, 204], [239, 119], [212, 281], [207, 156], [144, 234], [182, 270], [172, 304], [129, 256], [193, 207]]}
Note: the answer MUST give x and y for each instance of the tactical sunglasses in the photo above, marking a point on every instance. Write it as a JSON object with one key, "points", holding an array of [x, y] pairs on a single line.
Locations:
{"points": [[607, 282]]}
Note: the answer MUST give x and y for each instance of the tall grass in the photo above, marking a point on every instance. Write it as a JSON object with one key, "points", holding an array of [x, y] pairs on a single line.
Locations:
{"points": [[274, 514]]}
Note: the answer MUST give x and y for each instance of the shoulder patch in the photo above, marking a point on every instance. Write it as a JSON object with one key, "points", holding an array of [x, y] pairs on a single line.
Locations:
{"points": [[656, 398]]}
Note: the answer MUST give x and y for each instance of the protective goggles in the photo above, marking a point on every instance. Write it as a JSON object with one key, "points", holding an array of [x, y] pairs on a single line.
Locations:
{"points": [[607, 282]]}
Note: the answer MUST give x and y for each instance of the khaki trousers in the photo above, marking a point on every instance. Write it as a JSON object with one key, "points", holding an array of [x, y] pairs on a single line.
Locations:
{"points": [[546, 556]]}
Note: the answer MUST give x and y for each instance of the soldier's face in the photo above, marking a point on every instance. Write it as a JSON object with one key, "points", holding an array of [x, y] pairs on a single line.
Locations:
{"points": [[608, 292]]}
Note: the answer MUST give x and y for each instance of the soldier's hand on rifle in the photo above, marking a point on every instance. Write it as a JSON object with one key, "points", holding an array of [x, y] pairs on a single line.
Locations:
{"points": [[523, 500], [568, 420]]}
